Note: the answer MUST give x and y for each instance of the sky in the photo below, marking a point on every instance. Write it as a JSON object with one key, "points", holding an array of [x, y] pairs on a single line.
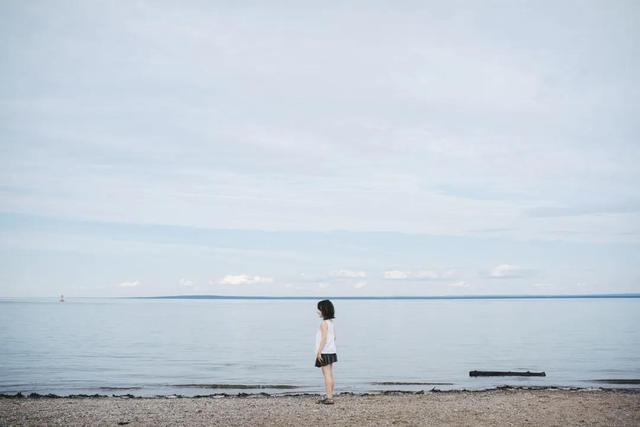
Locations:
{"points": [[333, 148]]}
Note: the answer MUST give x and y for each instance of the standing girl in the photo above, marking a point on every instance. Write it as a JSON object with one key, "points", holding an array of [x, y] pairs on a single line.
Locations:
{"points": [[326, 354]]}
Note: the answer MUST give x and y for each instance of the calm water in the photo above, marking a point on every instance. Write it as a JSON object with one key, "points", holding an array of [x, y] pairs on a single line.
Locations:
{"points": [[151, 347]]}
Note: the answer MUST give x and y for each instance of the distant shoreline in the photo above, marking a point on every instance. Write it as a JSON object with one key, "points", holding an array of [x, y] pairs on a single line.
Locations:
{"points": [[391, 297], [631, 295]]}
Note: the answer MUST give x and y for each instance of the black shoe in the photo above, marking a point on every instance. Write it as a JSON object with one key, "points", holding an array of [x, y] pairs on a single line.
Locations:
{"points": [[327, 401]]}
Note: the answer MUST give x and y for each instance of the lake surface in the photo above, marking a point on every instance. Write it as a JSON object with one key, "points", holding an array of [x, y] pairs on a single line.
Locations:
{"points": [[152, 347]]}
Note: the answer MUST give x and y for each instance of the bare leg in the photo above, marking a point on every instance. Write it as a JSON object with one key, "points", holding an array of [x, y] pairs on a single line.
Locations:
{"points": [[333, 382], [328, 380]]}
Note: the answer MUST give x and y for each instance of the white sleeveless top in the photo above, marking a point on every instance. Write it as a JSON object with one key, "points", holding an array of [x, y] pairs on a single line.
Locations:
{"points": [[330, 345]]}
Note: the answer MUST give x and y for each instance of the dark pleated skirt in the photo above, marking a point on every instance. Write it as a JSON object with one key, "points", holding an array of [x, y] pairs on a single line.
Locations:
{"points": [[327, 359]]}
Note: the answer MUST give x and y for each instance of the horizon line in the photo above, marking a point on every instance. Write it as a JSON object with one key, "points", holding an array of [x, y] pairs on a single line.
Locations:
{"points": [[488, 296], [370, 297], [361, 297]]}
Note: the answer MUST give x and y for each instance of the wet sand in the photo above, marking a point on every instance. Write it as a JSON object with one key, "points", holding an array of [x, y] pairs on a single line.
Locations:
{"points": [[548, 407]]}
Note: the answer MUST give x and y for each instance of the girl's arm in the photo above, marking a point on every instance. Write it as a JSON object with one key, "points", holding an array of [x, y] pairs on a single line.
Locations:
{"points": [[323, 340]]}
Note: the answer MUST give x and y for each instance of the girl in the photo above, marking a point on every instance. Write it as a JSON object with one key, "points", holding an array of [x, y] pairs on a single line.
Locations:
{"points": [[326, 348]]}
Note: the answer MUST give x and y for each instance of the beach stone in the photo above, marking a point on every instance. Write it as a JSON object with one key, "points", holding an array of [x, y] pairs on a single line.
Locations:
{"points": [[538, 407]]}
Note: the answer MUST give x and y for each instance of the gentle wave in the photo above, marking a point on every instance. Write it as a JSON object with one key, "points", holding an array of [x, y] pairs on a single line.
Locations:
{"points": [[238, 386], [407, 383], [118, 388]]}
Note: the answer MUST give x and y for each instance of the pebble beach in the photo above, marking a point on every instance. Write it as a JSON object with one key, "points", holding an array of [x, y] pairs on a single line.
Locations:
{"points": [[497, 407]]}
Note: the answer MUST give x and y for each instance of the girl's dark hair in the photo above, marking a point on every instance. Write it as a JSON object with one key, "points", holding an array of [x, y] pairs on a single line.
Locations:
{"points": [[326, 308]]}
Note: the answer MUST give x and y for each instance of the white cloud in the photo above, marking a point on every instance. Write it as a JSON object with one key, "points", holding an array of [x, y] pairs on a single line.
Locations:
{"points": [[522, 151], [395, 274], [541, 285], [459, 284], [133, 284], [189, 284], [473, 75], [186, 283], [508, 271], [360, 285], [244, 279], [341, 279], [419, 274], [349, 274]]}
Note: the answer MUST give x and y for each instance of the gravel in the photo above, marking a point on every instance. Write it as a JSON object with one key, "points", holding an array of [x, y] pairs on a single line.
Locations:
{"points": [[490, 408]]}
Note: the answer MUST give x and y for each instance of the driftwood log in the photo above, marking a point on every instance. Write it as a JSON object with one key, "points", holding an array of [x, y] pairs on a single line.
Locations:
{"points": [[506, 374]]}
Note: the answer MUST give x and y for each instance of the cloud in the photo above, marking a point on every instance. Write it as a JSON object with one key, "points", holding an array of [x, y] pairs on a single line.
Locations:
{"points": [[604, 207], [186, 283], [504, 271], [341, 278], [244, 279], [541, 285], [133, 284], [252, 175], [349, 274], [277, 171], [419, 274], [459, 284]]}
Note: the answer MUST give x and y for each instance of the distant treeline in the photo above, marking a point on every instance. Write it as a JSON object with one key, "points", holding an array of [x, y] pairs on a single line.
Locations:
{"points": [[446, 297]]}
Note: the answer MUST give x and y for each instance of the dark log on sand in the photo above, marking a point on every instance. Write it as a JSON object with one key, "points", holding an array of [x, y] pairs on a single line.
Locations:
{"points": [[506, 374]]}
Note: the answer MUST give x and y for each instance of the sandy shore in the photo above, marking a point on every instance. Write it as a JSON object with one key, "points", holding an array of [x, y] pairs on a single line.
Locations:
{"points": [[551, 407]]}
